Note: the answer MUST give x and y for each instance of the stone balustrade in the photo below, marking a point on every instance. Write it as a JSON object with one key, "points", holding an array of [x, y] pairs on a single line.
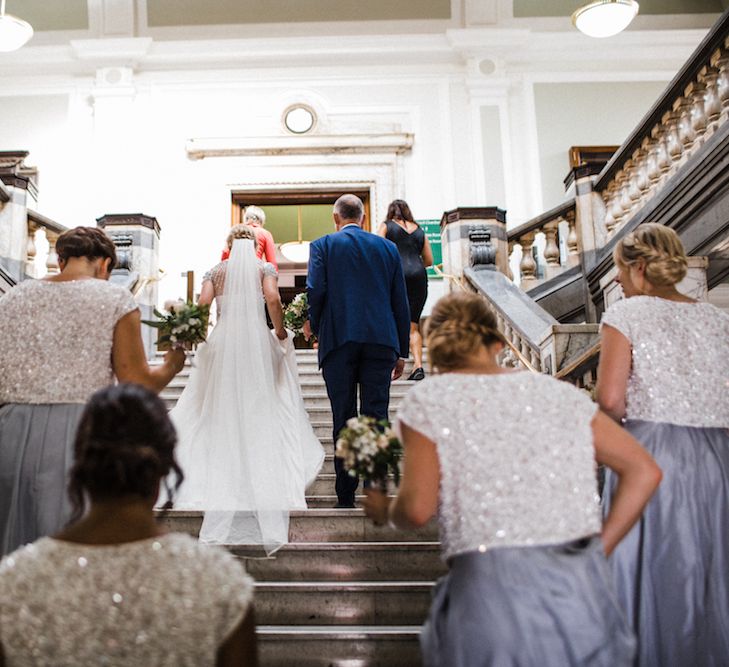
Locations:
{"points": [[548, 245], [694, 106], [37, 223]]}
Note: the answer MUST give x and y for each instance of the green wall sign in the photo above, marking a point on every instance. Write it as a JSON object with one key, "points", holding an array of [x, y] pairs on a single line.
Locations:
{"points": [[432, 231]]}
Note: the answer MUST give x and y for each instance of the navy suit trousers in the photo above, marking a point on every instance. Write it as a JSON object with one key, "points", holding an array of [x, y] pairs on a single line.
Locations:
{"points": [[345, 369]]}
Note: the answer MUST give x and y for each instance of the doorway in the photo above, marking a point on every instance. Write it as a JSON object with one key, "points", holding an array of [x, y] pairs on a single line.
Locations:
{"points": [[291, 216]]}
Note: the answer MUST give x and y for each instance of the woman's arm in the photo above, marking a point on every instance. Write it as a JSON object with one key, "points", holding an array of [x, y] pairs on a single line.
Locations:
{"points": [[241, 648], [613, 372], [207, 294], [427, 254], [382, 230], [638, 477], [417, 496], [273, 302], [129, 360]]}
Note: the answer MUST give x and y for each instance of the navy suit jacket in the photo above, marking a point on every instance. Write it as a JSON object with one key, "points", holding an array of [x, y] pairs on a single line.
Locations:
{"points": [[356, 292]]}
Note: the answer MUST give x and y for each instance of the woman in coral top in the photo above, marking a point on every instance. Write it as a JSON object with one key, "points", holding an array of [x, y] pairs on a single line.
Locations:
{"points": [[265, 245]]}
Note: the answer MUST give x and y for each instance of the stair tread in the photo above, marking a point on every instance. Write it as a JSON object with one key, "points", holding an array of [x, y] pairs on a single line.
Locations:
{"points": [[340, 630], [345, 585]]}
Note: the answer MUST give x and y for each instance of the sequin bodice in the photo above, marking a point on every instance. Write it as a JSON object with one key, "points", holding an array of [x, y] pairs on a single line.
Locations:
{"points": [[164, 602], [516, 458], [56, 339], [216, 276], [680, 371]]}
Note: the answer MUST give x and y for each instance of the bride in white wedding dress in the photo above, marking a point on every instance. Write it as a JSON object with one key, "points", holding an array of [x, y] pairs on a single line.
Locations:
{"points": [[246, 445]]}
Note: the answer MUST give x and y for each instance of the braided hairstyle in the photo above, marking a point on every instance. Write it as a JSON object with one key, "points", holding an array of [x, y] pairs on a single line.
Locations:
{"points": [[124, 446], [458, 325], [660, 247]]}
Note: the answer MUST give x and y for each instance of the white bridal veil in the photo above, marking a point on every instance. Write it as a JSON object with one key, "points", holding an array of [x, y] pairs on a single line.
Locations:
{"points": [[246, 445]]}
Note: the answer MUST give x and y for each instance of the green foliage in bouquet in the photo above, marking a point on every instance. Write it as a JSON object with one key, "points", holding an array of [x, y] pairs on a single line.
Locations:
{"points": [[182, 325], [296, 313], [370, 449]]}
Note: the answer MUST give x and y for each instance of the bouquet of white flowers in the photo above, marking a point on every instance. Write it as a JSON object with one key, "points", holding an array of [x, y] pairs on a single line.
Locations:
{"points": [[296, 313], [182, 325], [370, 449]]}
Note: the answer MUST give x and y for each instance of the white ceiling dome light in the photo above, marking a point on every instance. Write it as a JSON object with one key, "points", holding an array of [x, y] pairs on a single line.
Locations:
{"points": [[605, 18], [14, 32]]}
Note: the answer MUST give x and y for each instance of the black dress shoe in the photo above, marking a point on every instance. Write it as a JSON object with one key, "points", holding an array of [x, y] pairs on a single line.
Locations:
{"points": [[417, 374], [344, 506]]}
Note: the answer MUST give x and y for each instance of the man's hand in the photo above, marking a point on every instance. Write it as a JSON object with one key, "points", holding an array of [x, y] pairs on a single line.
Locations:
{"points": [[307, 330], [399, 368]]}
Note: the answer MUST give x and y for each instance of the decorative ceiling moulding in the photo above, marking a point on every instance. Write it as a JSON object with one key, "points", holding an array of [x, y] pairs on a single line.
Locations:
{"points": [[397, 143], [125, 50]]}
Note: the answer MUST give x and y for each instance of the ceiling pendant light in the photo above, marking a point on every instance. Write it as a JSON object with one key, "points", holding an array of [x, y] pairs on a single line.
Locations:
{"points": [[605, 18], [14, 32]]}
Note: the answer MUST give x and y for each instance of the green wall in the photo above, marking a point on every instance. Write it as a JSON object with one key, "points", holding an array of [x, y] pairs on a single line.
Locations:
{"points": [[531, 8]]}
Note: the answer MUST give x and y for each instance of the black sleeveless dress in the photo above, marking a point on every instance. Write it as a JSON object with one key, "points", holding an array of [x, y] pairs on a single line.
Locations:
{"points": [[416, 278]]}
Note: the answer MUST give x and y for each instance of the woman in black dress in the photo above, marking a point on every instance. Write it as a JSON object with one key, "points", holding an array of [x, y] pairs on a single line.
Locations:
{"points": [[416, 255]]}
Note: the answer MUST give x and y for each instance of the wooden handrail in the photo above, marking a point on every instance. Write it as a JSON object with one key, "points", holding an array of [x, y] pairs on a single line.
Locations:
{"points": [[41, 221], [584, 358], [537, 223], [4, 194]]}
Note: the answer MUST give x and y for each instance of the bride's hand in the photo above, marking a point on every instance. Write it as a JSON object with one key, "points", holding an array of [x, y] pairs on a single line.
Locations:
{"points": [[282, 334]]}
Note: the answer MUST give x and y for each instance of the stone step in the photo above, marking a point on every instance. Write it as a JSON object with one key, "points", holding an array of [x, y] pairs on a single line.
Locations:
{"points": [[331, 646], [334, 603], [327, 501], [319, 525], [345, 561]]}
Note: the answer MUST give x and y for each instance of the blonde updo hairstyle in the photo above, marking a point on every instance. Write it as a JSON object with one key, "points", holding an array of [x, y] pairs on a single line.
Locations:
{"points": [[458, 325], [241, 232], [661, 249]]}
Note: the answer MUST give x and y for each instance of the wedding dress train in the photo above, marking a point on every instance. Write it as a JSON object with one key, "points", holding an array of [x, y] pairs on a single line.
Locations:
{"points": [[246, 445]]}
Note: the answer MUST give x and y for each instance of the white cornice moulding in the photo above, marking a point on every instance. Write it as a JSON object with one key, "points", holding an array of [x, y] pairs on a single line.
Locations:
{"points": [[395, 143], [111, 49]]}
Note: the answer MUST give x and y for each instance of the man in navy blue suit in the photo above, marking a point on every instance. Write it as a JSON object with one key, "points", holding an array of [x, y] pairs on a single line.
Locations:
{"points": [[358, 308]]}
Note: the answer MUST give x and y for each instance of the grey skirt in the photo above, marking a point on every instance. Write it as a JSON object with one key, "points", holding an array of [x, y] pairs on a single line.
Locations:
{"points": [[546, 606], [672, 569], [36, 453]]}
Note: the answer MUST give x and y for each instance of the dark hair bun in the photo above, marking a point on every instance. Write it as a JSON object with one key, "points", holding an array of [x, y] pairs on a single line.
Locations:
{"points": [[124, 446], [89, 242]]}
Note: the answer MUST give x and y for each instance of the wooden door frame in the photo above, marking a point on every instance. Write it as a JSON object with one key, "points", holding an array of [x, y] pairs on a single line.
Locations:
{"points": [[239, 199]]}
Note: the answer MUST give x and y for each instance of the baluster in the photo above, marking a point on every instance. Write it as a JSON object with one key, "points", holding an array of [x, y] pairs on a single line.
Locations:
{"points": [[52, 260], [643, 181], [30, 252], [573, 250], [524, 348], [712, 104], [527, 267], [609, 199], [673, 141], [510, 255], [536, 362], [722, 84], [697, 110], [551, 249], [633, 178], [686, 134]]}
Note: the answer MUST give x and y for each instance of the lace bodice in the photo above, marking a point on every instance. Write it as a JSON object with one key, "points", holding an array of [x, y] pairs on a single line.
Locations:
{"points": [[680, 372], [216, 276], [516, 458], [167, 601], [56, 339]]}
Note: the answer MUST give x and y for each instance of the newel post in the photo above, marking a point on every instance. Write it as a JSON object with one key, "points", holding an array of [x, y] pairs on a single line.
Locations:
{"points": [[136, 237]]}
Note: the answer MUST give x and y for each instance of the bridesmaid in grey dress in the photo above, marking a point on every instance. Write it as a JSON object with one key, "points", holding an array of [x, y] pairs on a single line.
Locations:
{"points": [[664, 370], [507, 459], [63, 338]]}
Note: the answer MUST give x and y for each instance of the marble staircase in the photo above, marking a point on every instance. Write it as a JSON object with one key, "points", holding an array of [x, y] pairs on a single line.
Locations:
{"points": [[343, 591]]}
